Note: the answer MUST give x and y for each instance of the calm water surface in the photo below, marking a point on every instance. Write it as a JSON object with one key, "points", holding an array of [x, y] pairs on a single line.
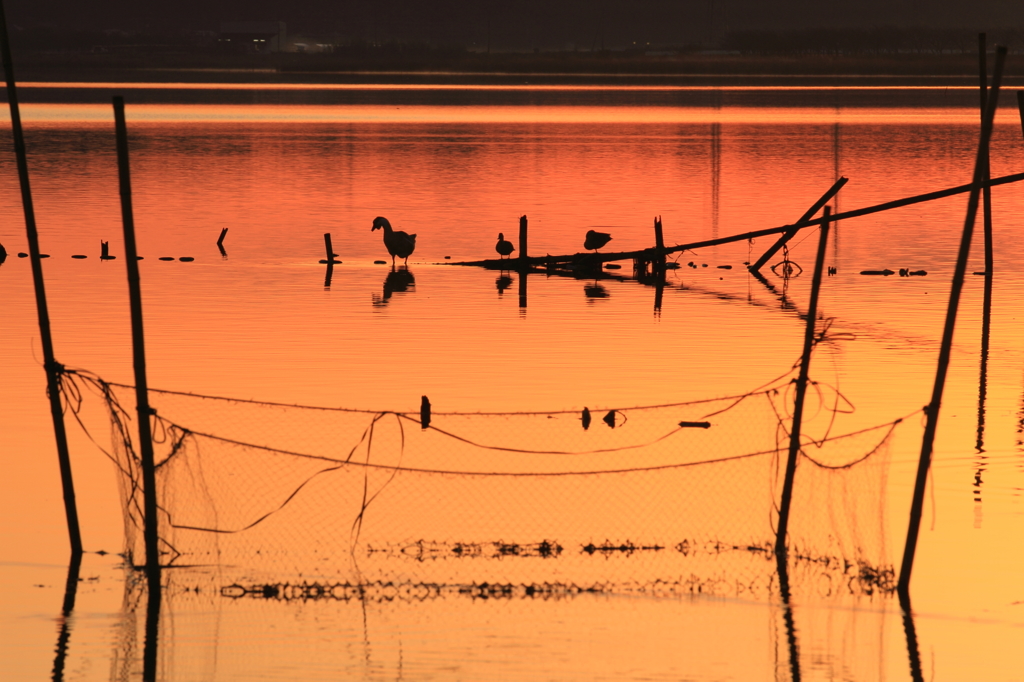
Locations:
{"points": [[458, 167]]}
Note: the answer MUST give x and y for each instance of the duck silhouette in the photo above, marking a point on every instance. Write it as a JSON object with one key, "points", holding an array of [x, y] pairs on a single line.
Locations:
{"points": [[503, 247], [595, 240], [398, 244]]}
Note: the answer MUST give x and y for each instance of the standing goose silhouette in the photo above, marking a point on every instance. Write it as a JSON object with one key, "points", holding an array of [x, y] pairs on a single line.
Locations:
{"points": [[503, 247], [398, 244], [595, 240]]}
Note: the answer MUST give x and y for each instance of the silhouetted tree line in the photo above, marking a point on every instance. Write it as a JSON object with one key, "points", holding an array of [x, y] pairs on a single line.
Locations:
{"points": [[876, 41]]}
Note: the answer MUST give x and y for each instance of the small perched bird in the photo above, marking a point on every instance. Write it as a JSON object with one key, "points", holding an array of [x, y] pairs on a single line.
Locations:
{"points": [[503, 247], [398, 244], [595, 240]]}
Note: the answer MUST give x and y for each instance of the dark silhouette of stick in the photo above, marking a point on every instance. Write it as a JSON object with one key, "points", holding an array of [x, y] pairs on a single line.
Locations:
{"points": [[928, 441], [150, 528], [50, 364]]}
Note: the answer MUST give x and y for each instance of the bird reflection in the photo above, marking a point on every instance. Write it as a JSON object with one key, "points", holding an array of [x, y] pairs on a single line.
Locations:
{"points": [[399, 280], [595, 290], [503, 282]]}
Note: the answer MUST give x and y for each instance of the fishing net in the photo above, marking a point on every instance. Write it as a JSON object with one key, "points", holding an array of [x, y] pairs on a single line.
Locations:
{"points": [[316, 502]]}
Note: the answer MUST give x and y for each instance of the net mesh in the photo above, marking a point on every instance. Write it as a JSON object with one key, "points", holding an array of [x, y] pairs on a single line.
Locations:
{"points": [[310, 502]]}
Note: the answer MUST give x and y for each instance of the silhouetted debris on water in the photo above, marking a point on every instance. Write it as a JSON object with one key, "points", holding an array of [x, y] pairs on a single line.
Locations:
{"points": [[423, 550], [627, 548]]}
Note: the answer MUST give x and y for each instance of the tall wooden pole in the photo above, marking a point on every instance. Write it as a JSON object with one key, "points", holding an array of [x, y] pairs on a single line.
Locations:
{"points": [[138, 354], [987, 190], [801, 391], [986, 306], [49, 362], [928, 441]]}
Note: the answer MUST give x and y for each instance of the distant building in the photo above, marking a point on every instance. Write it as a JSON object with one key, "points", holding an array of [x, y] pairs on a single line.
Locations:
{"points": [[253, 36]]}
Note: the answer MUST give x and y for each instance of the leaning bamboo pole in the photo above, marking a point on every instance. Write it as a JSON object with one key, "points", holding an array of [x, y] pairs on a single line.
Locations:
{"points": [[801, 391], [928, 441], [50, 365], [650, 253]]}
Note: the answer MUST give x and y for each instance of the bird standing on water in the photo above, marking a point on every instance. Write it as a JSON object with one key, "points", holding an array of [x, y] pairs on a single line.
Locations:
{"points": [[398, 244], [595, 240], [503, 247]]}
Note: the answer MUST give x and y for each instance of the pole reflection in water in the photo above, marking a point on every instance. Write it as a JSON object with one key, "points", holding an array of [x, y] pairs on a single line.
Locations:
{"points": [[64, 636], [149, 650], [327, 276], [835, 200], [787, 616], [125, 662], [659, 292], [913, 653], [522, 291], [716, 175], [980, 463]]}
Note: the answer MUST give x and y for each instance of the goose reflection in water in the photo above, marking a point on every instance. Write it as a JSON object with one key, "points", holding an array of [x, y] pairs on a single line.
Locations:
{"points": [[503, 282], [399, 280], [595, 290]]}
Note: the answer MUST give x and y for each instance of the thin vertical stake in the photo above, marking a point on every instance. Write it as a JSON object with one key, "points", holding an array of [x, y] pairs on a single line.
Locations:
{"points": [[49, 361], [523, 260], [928, 441], [139, 353], [329, 247], [801, 391], [523, 242]]}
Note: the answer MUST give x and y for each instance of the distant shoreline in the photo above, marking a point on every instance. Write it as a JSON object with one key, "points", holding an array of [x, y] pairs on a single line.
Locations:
{"points": [[558, 68]]}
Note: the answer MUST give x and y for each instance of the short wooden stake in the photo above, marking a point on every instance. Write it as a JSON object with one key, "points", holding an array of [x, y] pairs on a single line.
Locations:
{"points": [[928, 441], [144, 412], [330, 249], [50, 365], [220, 243], [523, 243], [424, 413], [801, 391]]}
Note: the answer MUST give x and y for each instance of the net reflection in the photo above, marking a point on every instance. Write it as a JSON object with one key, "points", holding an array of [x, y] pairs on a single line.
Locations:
{"points": [[225, 623]]}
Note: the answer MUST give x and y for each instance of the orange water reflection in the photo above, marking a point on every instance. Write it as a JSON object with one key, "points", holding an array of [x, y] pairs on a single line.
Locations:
{"points": [[261, 325], [144, 114]]}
